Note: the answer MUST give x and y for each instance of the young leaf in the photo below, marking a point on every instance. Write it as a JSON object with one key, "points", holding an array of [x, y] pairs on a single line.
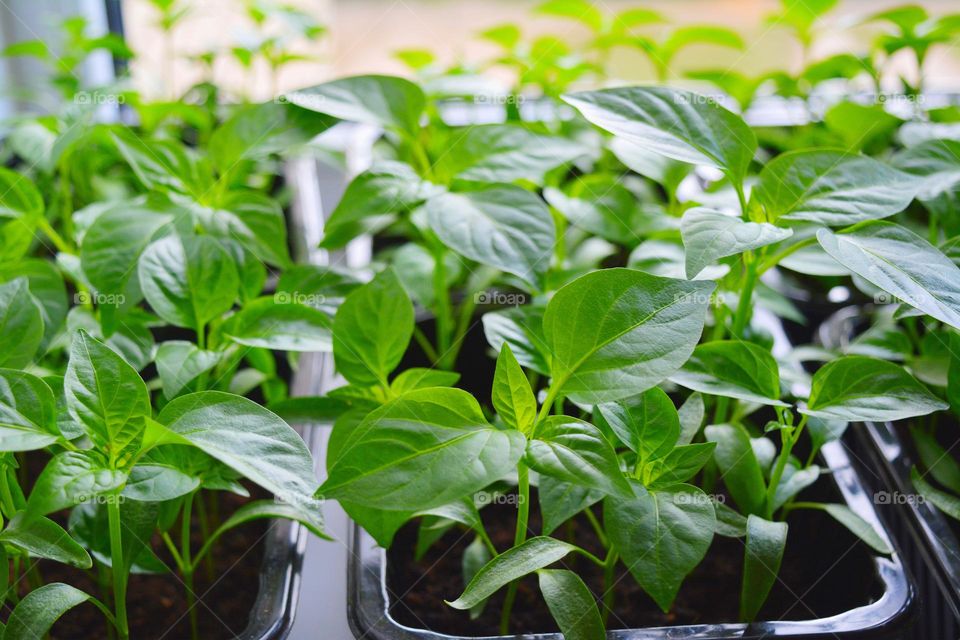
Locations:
{"points": [[765, 543], [832, 188], [560, 501], [709, 235], [44, 538], [419, 378], [48, 289], [70, 478], [522, 328], [386, 101], [512, 396], [661, 536], [279, 325], [794, 481], [21, 206], [27, 412], [858, 388], [735, 369], [442, 449], [948, 503], [500, 225], [937, 460], [678, 124], [188, 280], [22, 324], [260, 509], [691, 415], [858, 526], [576, 451], [35, 614], [372, 329], [649, 426], [475, 557], [616, 332], [900, 262], [536, 553], [180, 362], [571, 604], [739, 466], [249, 439], [679, 465], [106, 396], [158, 483]]}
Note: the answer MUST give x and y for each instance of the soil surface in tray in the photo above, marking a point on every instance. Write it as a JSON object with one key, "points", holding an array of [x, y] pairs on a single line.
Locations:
{"points": [[825, 571], [156, 604]]}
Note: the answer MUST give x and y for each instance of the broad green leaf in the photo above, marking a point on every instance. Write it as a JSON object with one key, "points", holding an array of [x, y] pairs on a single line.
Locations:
{"points": [[901, 263], [823, 431], [304, 409], [661, 536], [386, 101], [739, 467], [602, 206], [502, 226], [764, 547], [70, 478], [260, 509], [188, 280], [732, 368], [44, 538], [159, 165], [440, 449], [247, 438], [47, 287], [946, 502], [560, 501], [832, 188], [21, 205], [730, 524], [90, 524], [640, 159], [522, 328], [571, 604], [681, 464], [504, 153], [107, 397], [35, 614], [650, 425], [131, 340], [419, 378], [372, 329], [415, 266], [858, 526], [679, 124], [28, 412], [858, 388], [794, 481], [180, 362], [691, 415], [475, 557], [937, 461], [158, 483], [536, 553], [709, 235], [249, 217], [512, 396], [576, 451], [936, 163], [22, 324], [381, 524], [616, 332], [323, 288], [281, 326]]}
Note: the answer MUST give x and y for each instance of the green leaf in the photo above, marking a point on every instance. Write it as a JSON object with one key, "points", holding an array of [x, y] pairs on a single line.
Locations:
{"points": [[576, 451], [512, 396], [794, 481], [616, 332], [560, 501], [475, 557], [536, 553], [35, 614], [691, 414], [44, 538], [106, 396], [571, 604], [831, 188], [661, 536], [158, 483], [188, 280], [603, 207], [247, 438], [901, 263], [282, 326], [386, 101], [90, 524], [681, 464], [764, 547], [858, 526], [180, 362], [735, 369], [709, 235], [28, 412], [679, 124], [47, 287], [22, 324], [942, 500], [253, 219], [502, 226], [650, 425], [937, 165], [70, 478], [419, 378], [730, 524], [372, 329], [441, 449], [937, 460], [738, 464], [21, 206], [858, 388], [260, 509], [522, 328], [504, 153]]}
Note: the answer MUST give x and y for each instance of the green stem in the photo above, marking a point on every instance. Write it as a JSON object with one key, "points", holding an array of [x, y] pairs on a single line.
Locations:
{"points": [[609, 594], [596, 526], [519, 536], [442, 302], [188, 565], [775, 259], [744, 308], [118, 568], [788, 442], [424, 343], [58, 241]]}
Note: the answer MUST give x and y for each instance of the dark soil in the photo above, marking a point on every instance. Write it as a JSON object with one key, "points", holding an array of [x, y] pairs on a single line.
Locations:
{"points": [[825, 571], [156, 604]]}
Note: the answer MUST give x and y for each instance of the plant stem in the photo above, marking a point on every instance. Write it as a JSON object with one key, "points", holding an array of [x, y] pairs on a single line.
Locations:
{"points": [[775, 259], [744, 308], [442, 303], [788, 442], [609, 595], [188, 566], [118, 568], [58, 241], [519, 536], [596, 526], [424, 343]]}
